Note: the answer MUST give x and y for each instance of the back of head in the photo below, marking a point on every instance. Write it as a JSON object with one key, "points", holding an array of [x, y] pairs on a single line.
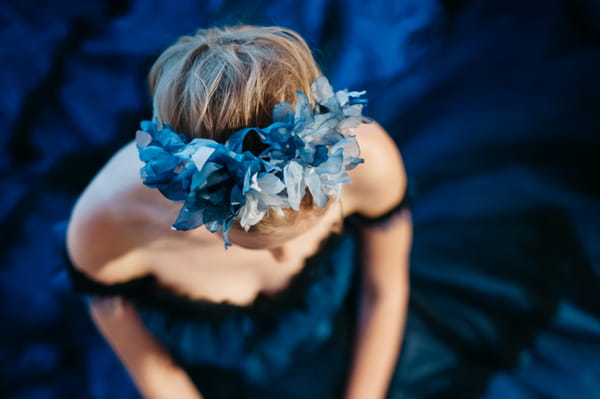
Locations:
{"points": [[224, 79]]}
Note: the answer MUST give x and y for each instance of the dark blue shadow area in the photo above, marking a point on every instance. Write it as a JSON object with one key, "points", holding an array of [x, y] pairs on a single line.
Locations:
{"points": [[495, 106]]}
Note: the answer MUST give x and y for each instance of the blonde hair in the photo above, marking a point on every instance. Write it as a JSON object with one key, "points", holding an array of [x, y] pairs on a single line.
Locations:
{"points": [[221, 80], [224, 79]]}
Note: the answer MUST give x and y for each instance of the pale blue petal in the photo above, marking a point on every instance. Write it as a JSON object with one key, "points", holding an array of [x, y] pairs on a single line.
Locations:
{"points": [[314, 185], [201, 156], [334, 164], [349, 145], [304, 114], [142, 139], [347, 125], [353, 111], [284, 113], [344, 96], [324, 136], [294, 182], [270, 184], [250, 214], [321, 90], [329, 119]]}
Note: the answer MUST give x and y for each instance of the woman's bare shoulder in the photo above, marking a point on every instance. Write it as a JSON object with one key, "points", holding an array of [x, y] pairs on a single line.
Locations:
{"points": [[380, 183], [111, 221]]}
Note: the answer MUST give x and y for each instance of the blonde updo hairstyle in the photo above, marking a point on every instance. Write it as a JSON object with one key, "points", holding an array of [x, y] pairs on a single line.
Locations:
{"points": [[221, 80]]}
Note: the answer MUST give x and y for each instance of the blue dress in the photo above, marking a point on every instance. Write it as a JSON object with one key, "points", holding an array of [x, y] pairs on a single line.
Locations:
{"points": [[297, 344]]}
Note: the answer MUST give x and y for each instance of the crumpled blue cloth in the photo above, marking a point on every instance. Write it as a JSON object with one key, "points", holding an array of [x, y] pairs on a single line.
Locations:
{"points": [[493, 104]]}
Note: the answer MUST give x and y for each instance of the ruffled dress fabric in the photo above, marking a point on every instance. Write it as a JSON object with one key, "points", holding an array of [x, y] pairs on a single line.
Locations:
{"points": [[296, 344]]}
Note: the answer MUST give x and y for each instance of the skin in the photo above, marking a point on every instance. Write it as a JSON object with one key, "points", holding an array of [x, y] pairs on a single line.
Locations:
{"points": [[120, 230]]}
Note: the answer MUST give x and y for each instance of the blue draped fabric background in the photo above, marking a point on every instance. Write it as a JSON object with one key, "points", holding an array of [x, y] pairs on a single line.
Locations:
{"points": [[495, 106]]}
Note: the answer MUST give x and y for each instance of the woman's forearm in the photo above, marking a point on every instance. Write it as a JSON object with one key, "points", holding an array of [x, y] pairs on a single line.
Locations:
{"points": [[151, 367], [384, 303], [380, 330]]}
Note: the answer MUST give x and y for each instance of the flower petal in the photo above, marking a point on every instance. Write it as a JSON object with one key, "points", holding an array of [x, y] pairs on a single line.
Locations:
{"points": [[250, 214], [304, 114], [201, 156], [294, 182], [142, 139], [188, 220], [283, 112], [321, 90], [270, 184], [314, 185]]}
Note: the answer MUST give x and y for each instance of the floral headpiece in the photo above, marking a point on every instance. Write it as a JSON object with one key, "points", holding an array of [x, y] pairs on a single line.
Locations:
{"points": [[218, 183]]}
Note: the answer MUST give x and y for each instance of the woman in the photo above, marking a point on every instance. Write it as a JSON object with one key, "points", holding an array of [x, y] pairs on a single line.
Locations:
{"points": [[270, 315]]}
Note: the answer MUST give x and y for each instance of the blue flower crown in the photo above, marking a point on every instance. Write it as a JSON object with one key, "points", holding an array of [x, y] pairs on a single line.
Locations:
{"points": [[219, 183]]}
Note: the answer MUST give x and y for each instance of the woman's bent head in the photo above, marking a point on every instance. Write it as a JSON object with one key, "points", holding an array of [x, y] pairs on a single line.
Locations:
{"points": [[223, 83], [224, 79], [220, 80]]}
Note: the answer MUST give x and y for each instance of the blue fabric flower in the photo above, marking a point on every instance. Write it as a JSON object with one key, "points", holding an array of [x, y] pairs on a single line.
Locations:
{"points": [[306, 149]]}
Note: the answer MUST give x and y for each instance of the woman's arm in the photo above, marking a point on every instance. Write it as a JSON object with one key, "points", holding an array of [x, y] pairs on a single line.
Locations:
{"points": [[384, 298], [102, 247], [378, 186], [151, 367]]}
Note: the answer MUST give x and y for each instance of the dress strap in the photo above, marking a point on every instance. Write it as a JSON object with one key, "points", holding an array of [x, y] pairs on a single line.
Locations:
{"points": [[374, 221], [83, 284]]}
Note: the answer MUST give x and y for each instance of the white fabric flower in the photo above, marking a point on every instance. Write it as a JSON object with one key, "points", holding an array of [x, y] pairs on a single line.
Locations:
{"points": [[261, 196]]}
